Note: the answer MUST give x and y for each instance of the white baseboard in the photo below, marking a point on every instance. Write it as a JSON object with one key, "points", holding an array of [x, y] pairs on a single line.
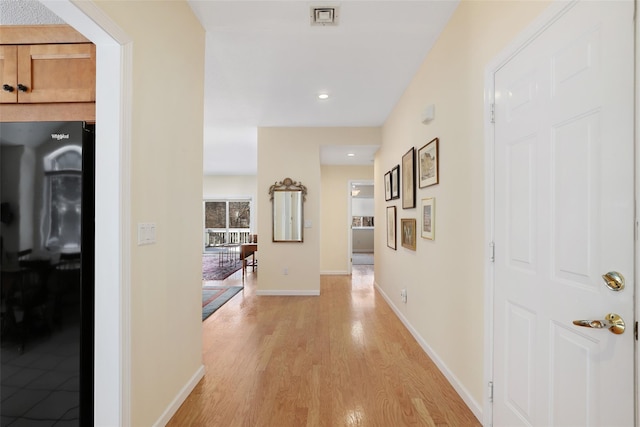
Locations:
{"points": [[180, 398], [288, 293], [334, 273], [453, 380]]}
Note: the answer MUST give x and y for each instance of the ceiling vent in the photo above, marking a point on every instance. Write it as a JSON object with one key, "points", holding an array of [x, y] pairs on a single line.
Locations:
{"points": [[324, 16]]}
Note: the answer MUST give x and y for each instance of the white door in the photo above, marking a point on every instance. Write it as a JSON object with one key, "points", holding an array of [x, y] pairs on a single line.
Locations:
{"points": [[564, 215]]}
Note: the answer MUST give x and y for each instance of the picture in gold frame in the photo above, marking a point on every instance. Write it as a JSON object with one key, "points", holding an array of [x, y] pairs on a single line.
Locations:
{"points": [[408, 229]]}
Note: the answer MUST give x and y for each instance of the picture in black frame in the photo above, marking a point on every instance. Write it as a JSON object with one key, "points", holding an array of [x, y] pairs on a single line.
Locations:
{"points": [[391, 227], [409, 179], [387, 186], [428, 164], [395, 182]]}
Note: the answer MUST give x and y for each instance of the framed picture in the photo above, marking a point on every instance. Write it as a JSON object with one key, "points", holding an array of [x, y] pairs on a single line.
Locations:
{"points": [[428, 228], [428, 164], [356, 221], [387, 186], [391, 227], [408, 227], [408, 179], [395, 182]]}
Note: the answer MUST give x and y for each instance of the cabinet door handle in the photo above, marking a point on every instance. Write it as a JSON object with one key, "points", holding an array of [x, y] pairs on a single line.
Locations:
{"points": [[7, 88], [22, 88]]}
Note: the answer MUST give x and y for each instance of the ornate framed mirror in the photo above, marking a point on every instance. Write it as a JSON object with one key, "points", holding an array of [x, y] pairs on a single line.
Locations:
{"points": [[287, 199]]}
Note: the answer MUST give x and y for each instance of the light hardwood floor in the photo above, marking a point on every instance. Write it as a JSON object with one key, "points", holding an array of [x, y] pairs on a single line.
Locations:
{"points": [[340, 359]]}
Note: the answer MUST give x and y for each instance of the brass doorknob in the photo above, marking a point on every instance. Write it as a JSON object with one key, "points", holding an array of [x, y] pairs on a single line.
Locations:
{"points": [[614, 280], [611, 321]]}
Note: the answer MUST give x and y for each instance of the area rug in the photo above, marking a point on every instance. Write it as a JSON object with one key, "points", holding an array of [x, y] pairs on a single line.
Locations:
{"points": [[213, 297], [214, 269]]}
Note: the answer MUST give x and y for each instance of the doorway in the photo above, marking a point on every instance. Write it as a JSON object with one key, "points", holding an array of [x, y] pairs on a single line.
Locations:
{"points": [[361, 208]]}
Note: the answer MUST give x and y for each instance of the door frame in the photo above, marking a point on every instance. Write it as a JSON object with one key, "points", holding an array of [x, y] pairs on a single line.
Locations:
{"points": [[350, 220], [112, 347], [540, 24], [349, 227]]}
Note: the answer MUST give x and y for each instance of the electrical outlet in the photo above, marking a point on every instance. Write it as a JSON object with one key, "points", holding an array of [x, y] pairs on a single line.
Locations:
{"points": [[403, 295], [285, 271]]}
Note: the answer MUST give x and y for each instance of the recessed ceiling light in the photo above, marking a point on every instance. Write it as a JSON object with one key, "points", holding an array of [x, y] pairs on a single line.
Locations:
{"points": [[323, 96], [351, 154]]}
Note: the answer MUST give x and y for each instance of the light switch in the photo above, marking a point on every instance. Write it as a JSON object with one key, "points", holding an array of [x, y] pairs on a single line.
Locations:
{"points": [[146, 233], [307, 223], [152, 233]]}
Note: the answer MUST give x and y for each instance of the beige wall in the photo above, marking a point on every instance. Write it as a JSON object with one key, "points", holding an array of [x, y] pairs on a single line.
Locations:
{"points": [[276, 149], [445, 278], [334, 250], [166, 188], [214, 186], [362, 240]]}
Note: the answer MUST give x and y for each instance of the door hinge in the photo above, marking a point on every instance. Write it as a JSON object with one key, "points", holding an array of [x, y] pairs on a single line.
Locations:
{"points": [[492, 248], [492, 109], [635, 221], [490, 391], [636, 331]]}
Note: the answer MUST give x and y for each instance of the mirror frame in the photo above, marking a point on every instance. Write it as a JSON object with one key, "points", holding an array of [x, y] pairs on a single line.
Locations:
{"points": [[287, 185]]}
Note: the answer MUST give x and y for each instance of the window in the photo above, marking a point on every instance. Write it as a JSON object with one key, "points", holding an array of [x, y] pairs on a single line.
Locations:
{"points": [[227, 221], [63, 179]]}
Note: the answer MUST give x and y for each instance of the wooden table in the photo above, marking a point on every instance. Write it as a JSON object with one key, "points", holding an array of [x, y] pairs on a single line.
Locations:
{"points": [[246, 250], [226, 252]]}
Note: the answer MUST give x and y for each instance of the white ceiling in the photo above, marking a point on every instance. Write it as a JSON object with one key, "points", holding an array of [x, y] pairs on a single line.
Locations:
{"points": [[265, 65], [26, 12]]}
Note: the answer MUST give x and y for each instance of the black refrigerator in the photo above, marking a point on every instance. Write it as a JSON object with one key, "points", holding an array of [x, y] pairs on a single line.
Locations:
{"points": [[47, 262]]}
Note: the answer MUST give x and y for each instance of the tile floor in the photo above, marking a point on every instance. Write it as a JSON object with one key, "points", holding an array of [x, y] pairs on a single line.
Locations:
{"points": [[362, 258], [41, 386]]}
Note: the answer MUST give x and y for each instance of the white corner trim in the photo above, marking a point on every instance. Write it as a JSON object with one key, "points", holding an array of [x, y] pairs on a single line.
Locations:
{"points": [[334, 273], [180, 398], [99, 27], [104, 21], [288, 293], [453, 380], [636, 288], [126, 131]]}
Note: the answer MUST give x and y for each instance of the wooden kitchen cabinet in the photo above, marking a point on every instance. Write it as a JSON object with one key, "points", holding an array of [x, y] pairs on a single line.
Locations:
{"points": [[8, 72], [46, 73]]}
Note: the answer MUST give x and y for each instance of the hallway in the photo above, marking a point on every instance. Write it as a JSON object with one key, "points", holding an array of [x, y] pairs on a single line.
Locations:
{"points": [[340, 359]]}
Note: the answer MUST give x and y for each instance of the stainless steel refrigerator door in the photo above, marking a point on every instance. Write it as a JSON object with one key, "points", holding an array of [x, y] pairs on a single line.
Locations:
{"points": [[42, 174]]}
